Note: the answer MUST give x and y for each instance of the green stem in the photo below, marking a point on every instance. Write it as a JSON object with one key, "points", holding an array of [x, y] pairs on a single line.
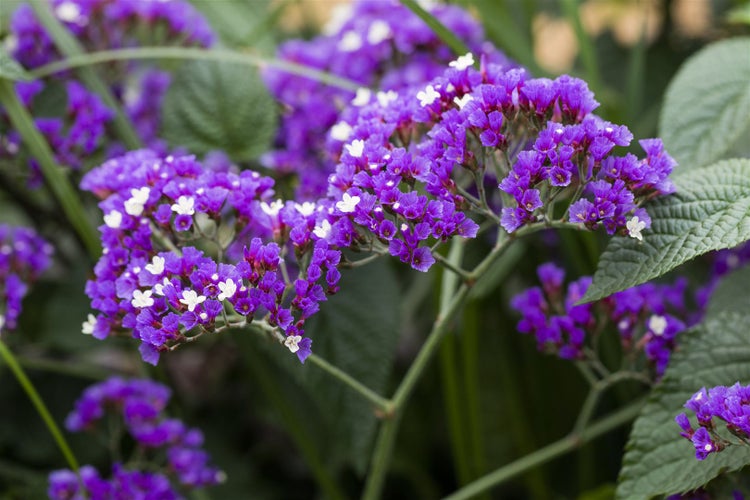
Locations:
{"points": [[586, 46], [53, 174], [470, 347], [185, 53], [456, 45], [38, 403], [69, 47], [377, 400], [75, 369], [549, 452]]}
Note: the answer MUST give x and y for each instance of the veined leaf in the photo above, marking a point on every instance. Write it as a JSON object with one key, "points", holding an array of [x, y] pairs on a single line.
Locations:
{"points": [[710, 211], [219, 106], [707, 105], [658, 461]]}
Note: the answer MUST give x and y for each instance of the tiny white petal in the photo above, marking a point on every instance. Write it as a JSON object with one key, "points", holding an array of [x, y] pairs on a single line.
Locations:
{"points": [[157, 265], [378, 32], [347, 203], [634, 227], [356, 148], [350, 42], [292, 342], [362, 98], [191, 299], [142, 299], [427, 96], [657, 324], [68, 11], [385, 98], [323, 231], [87, 328], [273, 209], [463, 101], [341, 131], [228, 289], [113, 219], [185, 205], [463, 62]]}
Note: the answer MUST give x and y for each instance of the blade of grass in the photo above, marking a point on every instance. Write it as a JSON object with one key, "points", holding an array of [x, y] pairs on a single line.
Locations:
{"points": [[456, 45], [186, 53], [39, 405], [68, 47], [53, 174], [586, 46], [636, 78]]}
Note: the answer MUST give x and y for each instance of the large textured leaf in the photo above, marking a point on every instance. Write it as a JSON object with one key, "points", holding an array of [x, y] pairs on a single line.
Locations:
{"points": [[658, 461], [357, 331], [707, 106], [710, 211], [731, 293], [219, 106]]}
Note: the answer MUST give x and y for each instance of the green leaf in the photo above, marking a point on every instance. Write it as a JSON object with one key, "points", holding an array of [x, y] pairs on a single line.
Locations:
{"points": [[10, 69], [710, 211], [357, 331], [707, 105], [658, 461], [219, 106], [730, 294]]}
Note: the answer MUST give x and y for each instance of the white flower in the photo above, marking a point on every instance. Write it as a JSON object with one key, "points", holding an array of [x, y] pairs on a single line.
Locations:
{"points": [[635, 226], [228, 289], [385, 98], [2, 322], [191, 299], [463, 101], [356, 148], [350, 42], [347, 203], [87, 328], [113, 219], [157, 265], [68, 11], [292, 342], [323, 231], [657, 324], [139, 197], [142, 299], [273, 209], [341, 131], [306, 208], [362, 98], [378, 32], [185, 205], [463, 62], [427, 96], [159, 287]]}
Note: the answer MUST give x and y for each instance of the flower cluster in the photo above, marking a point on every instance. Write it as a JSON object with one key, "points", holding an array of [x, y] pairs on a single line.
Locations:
{"points": [[74, 135], [102, 25], [23, 257], [155, 278], [375, 43], [728, 404], [140, 405], [648, 317]]}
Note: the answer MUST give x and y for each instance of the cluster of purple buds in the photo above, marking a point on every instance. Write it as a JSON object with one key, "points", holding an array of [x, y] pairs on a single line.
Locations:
{"points": [[375, 43], [140, 405], [73, 136], [24, 256], [105, 25], [728, 404], [648, 317], [267, 260]]}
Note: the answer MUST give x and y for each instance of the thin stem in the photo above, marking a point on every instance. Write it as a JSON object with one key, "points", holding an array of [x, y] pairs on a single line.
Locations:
{"points": [[38, 403], [69, 47], [379, 401], [456, 45], [549, 452], [446, 263], [58, 183], [182, 53]]}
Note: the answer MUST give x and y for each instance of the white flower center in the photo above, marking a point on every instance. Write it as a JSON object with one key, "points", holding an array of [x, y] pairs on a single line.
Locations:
{"points": [[463, 62], [292, 342]]}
